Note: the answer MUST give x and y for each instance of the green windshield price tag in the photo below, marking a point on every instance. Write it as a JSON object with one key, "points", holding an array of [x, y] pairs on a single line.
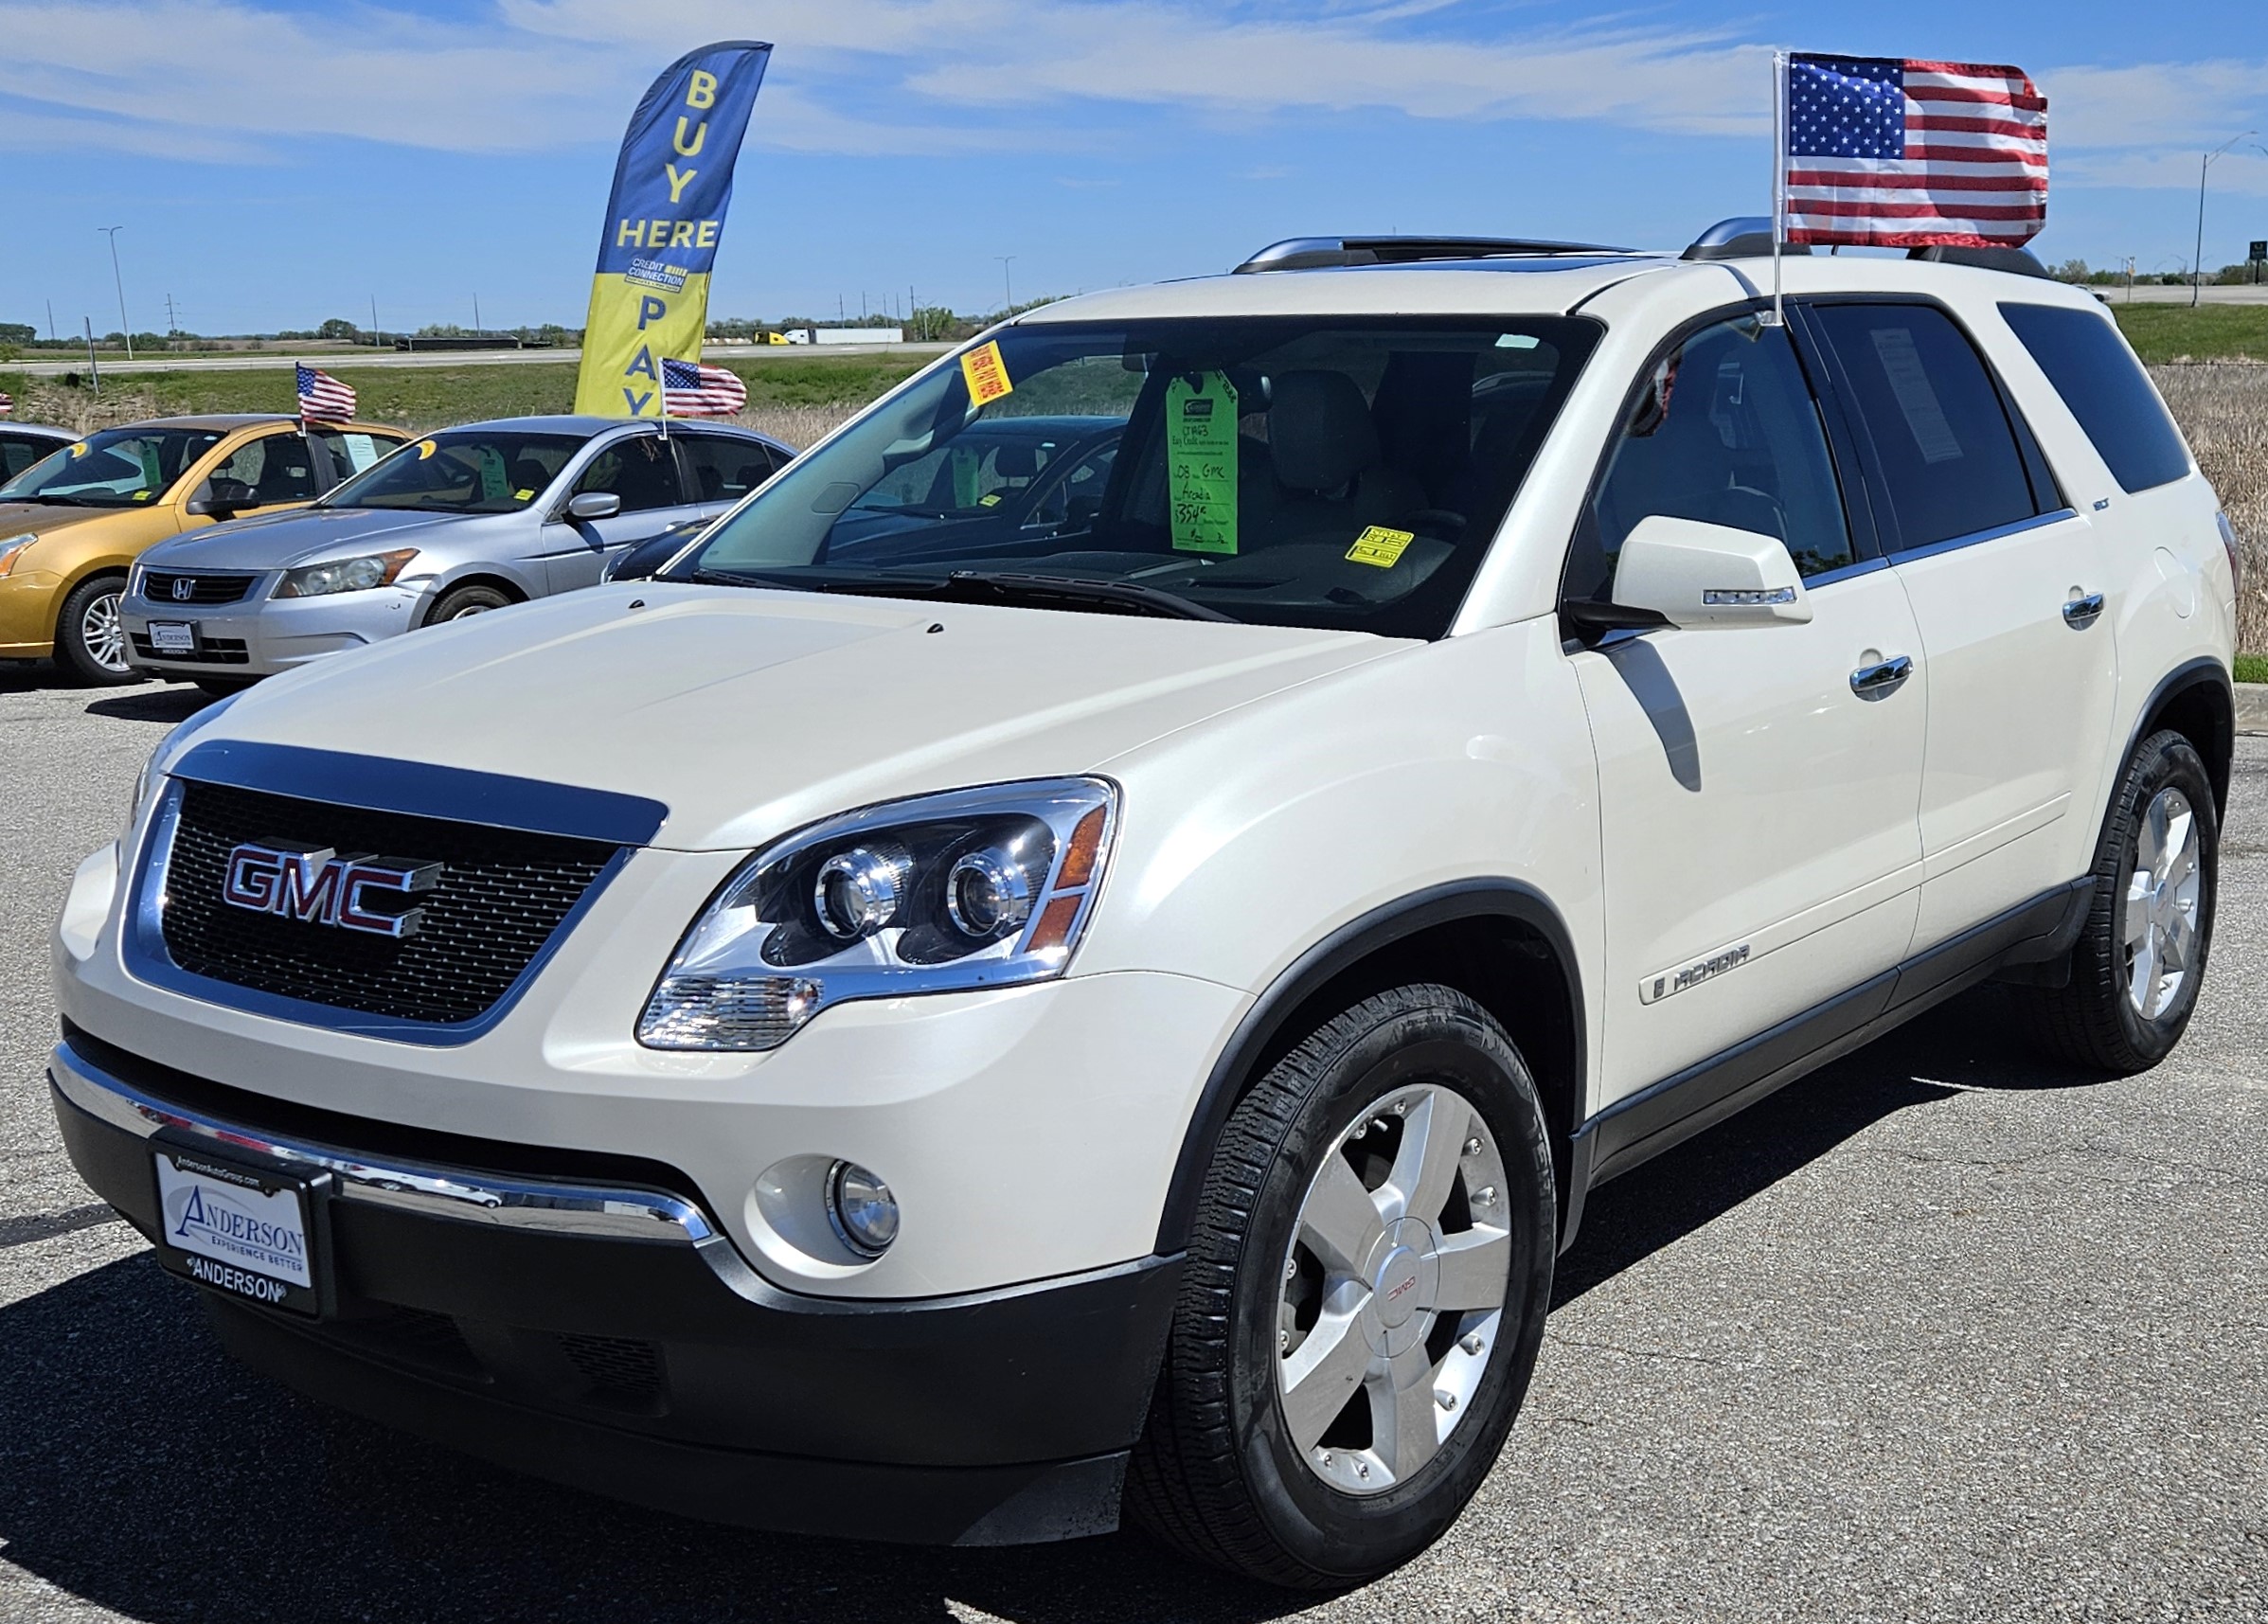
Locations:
{"points": [[1201, 463]]}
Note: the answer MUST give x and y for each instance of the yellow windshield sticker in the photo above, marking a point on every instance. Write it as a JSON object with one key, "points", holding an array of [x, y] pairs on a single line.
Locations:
{"points": [[1201, 463], [1379, 546], [523, 495], [426, 449], [143, 495], [78, 450], [986, 375], [989, 499]]}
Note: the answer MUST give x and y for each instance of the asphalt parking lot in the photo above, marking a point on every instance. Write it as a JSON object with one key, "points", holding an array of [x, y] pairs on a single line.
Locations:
{"points": [[1942, 1332]]}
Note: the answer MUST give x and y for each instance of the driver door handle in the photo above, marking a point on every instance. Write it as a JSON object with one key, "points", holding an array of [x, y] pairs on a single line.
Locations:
{"points": [[2080, 612], [1873, 682]]}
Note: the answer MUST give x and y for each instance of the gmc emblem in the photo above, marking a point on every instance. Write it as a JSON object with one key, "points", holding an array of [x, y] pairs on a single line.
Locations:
{"points": [[315, 885]]}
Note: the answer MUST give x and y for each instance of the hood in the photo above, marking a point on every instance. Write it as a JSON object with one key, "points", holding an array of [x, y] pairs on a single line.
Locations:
{"points": [[47, 519], [303, 535], [749, 713]]}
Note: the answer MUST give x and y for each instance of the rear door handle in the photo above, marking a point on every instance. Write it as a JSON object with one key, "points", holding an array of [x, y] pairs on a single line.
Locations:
{"points": [[2080, 612], [1873, 682]]}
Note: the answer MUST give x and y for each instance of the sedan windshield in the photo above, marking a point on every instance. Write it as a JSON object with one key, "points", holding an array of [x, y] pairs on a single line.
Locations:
{"points": [[1325, 471], [464, 471], [118, 468]]}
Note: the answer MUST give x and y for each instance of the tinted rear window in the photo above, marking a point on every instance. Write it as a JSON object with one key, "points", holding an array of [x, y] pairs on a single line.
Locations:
{"points": [[2107, 391], [1943, 440]]}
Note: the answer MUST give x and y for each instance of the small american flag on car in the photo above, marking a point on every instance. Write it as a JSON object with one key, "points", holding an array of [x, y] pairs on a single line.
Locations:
{"points": [[323, 399], [692, 390], [7, 404], [1898, 152]]}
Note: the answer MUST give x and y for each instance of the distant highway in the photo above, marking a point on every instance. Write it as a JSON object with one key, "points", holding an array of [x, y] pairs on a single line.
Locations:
{"points": [[254, 361]]}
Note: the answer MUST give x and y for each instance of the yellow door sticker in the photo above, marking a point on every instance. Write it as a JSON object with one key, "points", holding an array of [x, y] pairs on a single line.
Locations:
{"points": [[1379, 546], [986, 375]]}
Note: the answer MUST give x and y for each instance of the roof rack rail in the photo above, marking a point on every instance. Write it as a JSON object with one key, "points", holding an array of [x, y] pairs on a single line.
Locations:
{"points": [[2016, 262], [1743, 237], [1313, 253]]}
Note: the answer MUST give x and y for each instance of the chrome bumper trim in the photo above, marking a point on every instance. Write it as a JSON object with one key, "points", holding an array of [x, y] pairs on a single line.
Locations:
{"points": [[431, 1191]]}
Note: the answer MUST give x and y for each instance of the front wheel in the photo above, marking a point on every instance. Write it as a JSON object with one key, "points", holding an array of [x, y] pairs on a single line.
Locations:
{"points": [[2141, 954], [464, 600], [90, 637], [1365, 1288]]}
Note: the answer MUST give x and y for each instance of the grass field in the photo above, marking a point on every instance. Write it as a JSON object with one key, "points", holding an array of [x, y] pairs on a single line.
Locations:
{"points": [[808, 395], [2211, 332]]}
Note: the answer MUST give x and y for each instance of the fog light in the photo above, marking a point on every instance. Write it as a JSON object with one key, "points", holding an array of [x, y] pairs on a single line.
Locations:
{"points": [[861, 1208]]}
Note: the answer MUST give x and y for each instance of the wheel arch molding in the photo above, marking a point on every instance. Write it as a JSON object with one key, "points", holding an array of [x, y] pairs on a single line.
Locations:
{"points": [[1500, 942], [2198, 700]]}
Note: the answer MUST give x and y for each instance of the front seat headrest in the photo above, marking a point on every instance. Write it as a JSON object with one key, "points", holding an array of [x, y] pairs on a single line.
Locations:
{"points": [[1320, 434], [1016, 459]]}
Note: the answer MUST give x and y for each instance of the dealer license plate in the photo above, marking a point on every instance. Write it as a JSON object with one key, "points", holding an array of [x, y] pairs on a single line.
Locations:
{"points": [[241, 1229], [173, 636]]}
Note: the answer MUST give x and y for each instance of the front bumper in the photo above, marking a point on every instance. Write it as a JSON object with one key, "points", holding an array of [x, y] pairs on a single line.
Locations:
{"points": [[28, 602], [598, 1330], [259, 635]]}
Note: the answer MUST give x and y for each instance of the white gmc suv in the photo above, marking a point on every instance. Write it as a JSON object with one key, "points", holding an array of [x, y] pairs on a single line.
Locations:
{"points": [[1080, 953]]}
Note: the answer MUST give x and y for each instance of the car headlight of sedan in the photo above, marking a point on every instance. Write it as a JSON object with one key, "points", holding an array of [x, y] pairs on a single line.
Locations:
{"points": [[11, 547], [987, 887], [345, 574]]}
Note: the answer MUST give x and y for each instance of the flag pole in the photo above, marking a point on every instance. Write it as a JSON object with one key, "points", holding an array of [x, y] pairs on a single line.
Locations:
{"points": [[1779, 177]]}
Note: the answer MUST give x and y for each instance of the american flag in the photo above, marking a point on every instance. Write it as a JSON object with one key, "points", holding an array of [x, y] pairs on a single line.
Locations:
{"points": [[7, 404], [323, 399], [692, 390], [1899, 153]]}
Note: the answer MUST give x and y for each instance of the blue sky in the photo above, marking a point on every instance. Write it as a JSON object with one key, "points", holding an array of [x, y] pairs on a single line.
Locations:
{"points": [[276, 163]]}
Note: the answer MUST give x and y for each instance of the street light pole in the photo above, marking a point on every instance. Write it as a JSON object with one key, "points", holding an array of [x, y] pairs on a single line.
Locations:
{"points": [[2197, 266], [124, 326]]}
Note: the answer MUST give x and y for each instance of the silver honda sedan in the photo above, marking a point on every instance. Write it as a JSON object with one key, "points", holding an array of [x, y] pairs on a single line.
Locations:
{"points": [[458, 523]]}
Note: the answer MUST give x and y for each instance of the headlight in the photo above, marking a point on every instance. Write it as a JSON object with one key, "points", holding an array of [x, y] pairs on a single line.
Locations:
{"points": [[345, 574], [10, 547], [987, 887]]}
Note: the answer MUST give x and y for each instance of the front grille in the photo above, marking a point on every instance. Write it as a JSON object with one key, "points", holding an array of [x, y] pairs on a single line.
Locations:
{"points": [[162, 588], [500, 898], [209, 651]]}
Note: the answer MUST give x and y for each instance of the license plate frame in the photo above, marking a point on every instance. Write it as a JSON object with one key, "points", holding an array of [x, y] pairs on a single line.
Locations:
{"points": [[173, 637], [227, 1220]]}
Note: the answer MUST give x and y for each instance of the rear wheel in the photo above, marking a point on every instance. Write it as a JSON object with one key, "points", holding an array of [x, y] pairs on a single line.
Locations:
{"points": [[1365, 1288], [90, 637], [2135, 969], [464, 600]]}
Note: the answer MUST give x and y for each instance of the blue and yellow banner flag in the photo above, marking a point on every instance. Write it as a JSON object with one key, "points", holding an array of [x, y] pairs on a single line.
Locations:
{"points": [[673, 183]]}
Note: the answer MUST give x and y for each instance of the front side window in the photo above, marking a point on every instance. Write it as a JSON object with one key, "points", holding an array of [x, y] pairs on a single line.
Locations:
{"points": [[352, 453], [1325, 471], [1943, 440], [639, 471], [462, 471], [1725, 430], [118, 468], [273, 467], [2108, 392]]}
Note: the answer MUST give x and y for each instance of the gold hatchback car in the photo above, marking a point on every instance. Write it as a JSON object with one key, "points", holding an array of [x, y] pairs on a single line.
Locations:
{"points": [[72, 524]]}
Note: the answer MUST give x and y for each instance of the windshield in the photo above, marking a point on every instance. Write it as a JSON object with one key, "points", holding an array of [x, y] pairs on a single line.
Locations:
{"points": [[1325, 471], [118, 468], [464, 471]]}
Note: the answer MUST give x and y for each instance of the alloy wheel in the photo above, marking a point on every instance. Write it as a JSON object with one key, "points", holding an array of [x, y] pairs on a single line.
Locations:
{"points": [[1393, 1289], [102, 633], [2162, 899]]}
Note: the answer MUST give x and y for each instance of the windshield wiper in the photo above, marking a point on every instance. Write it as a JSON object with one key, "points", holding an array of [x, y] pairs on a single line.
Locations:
{"points": [[978, 587], [51, 500]]}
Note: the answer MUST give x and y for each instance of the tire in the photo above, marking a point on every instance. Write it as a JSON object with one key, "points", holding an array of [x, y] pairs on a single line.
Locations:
{"points": [[90, 640], [220, 687], [1225, 1471], [2156, 877], [463, 600]]}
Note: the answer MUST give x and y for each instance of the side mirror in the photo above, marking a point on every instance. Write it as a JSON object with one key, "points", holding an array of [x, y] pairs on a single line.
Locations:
{"points": [[594, 505], [219, 498], [1693, 575]]}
